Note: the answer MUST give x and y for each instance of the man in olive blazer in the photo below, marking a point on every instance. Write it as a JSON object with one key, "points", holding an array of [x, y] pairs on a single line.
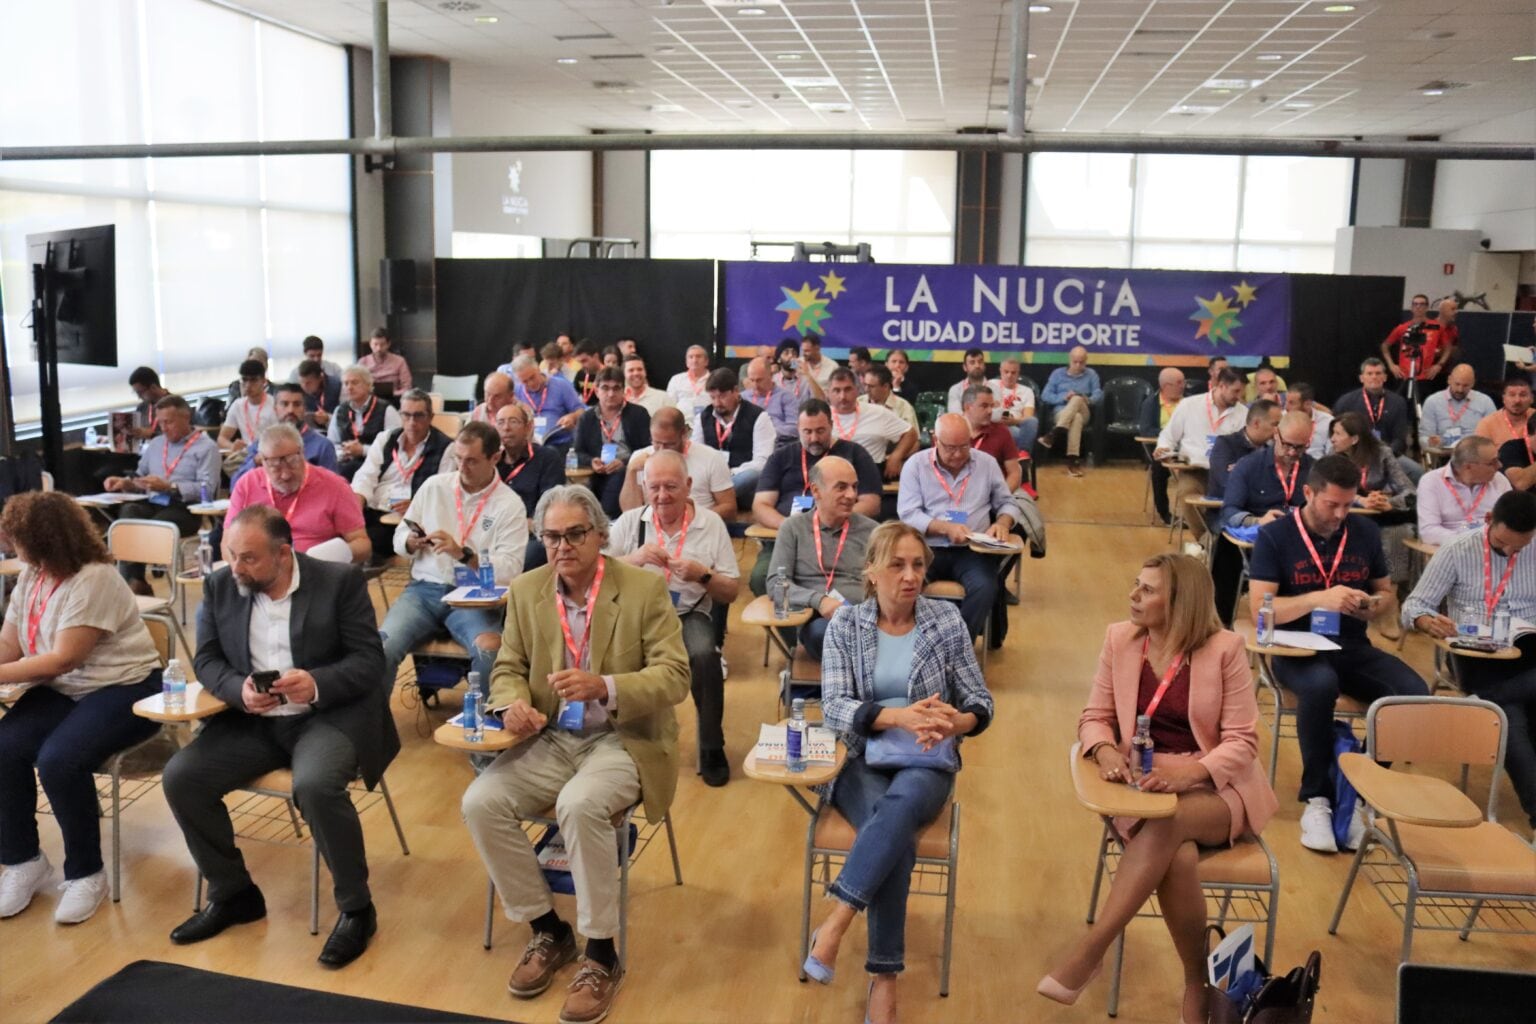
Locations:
{"points": [[591, 714]]}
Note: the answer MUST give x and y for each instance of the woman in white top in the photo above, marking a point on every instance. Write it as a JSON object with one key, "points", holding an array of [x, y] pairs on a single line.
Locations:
{"points": [[74, 656]]}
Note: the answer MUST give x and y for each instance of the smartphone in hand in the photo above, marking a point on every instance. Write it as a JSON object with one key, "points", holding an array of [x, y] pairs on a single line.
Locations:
{"points": [[263, 682], [415, 528]]}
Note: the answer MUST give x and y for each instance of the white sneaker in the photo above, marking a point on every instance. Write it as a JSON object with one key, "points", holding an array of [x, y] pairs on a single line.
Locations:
{"points": [[80, 898], [1317, 826], [1356, 828], [725, 669], [20, 882]]}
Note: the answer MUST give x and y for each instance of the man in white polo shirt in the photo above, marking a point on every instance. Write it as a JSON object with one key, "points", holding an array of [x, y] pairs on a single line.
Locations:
{"points": [[886, 436], [689, 390], [1191, 433], [708, 469]]}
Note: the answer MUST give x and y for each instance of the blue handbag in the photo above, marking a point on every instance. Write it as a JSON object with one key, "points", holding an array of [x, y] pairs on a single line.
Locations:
{"points": [[897, 748]]}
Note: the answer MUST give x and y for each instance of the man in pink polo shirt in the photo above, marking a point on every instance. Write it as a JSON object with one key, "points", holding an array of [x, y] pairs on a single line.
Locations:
{"points": [[386, 366], [318, 504]]}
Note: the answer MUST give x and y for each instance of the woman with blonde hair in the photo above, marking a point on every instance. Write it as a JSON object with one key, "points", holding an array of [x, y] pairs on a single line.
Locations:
{"points": [[1173, 662], [901, 686], [74, 645]]}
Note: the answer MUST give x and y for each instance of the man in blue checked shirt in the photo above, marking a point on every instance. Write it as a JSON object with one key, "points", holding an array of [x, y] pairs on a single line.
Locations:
{"points": [[950, 492]]}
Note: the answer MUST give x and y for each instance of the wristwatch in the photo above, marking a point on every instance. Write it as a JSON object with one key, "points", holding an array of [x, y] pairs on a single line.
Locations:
{"points": [[704, 580], [468, 554]]}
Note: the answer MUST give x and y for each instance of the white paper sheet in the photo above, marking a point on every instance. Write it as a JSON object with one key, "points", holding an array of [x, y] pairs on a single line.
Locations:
{"points": [[333, 550], [1306, 641]]}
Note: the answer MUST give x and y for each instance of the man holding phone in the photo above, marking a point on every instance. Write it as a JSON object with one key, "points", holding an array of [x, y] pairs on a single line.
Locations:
{"points": [[457, 523], [1326, 571], [288, 642]]}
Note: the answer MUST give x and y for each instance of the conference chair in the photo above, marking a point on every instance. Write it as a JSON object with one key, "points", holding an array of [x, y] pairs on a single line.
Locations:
{"points": [[1282, 702], [1441, 862], [630, 840], [152, 542], [458, 390], [1121, 410], [949, 590], [801, 675], [1245, 549], [258, 816], [1241, 882], [448, 422], [828, 839]]}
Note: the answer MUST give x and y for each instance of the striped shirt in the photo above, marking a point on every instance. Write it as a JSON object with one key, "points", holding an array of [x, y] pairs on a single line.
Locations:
{"points": [[1456, 572]]}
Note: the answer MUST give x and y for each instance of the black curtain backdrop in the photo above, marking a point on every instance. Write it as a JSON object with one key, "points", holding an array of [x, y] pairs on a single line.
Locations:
{"points": [[485, 307], [1336, 321]]}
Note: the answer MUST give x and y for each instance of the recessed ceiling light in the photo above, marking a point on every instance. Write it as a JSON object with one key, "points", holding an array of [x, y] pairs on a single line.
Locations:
{"points": [[1338, 8], [1298, 105], [665, 108], [1271, 56], [1039, 8], [1525, 56], [1190, 109], [486, 19], [751, 12], [1432, 92], [565, 60], [664, 50], [1229, 84], [786, 56], [1030, 56]]}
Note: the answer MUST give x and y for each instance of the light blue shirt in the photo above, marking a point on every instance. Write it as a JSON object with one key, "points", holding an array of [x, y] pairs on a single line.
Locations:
{"points": [[893, 664], [1061, 385], [928, 491], [1437, 421], [194, 462]]}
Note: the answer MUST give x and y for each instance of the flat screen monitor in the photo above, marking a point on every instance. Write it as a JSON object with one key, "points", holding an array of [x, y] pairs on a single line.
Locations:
{"points": [[83, 266]]}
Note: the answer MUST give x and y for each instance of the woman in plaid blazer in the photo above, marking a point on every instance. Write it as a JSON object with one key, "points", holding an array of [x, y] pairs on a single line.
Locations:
{"points": [[895, 661]]}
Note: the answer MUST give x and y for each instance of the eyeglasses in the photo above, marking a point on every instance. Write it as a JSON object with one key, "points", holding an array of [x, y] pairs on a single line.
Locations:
{"points": [[414, 415], [575, 536], [293, 461], [1281, 442]]}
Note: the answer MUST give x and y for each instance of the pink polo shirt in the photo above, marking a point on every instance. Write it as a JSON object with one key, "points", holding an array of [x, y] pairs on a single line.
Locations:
{"points": [[323, 509], [392, 369]]}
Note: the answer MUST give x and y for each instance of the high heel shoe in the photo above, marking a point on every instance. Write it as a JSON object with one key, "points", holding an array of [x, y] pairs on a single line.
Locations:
{"points": [[870, 994], [1056, 991], [814, 968]]}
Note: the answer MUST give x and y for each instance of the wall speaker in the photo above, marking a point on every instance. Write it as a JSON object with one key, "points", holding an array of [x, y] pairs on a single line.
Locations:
{"points": [[397, 286]]}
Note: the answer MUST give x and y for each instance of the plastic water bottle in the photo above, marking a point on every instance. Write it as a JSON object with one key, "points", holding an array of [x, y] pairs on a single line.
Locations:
{"points": [[173, 687], [202, 492], [90, 438], [1501, 626], [572, 460], [205, 552], [1141, 747], [474, 711], [794, 736], [1266, 624], [778, 592]]}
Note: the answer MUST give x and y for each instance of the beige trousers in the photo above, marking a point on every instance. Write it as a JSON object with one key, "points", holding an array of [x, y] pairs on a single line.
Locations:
{"points": [[588, 779], [1190, 483], [1072, 418]]}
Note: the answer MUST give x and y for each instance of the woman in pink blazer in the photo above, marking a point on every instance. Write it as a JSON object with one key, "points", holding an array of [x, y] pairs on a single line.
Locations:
{"points": [[1205, 750]]}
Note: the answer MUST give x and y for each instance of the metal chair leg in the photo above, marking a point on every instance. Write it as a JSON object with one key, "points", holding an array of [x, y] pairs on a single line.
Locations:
{"points": [[314, 890], [1477, 907], [624, 853], [677, 867], [1349, 883], [117, 831], [1114, 978], [490, 910], [805, 900], [949, 901], [390, 803], [1098, 872]]}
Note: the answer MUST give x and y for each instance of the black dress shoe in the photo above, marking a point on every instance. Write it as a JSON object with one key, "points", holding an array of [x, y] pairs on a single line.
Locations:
{"points": [[350, 937], [241, 908], [714, 767]]}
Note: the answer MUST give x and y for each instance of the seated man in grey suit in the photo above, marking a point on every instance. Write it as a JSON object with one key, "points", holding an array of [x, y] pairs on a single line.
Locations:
{"points": [[325, 716]]}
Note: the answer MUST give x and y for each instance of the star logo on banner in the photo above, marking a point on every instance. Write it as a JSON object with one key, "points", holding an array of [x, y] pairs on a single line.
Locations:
{"points": [[803, 309], [1244, 294], [1216, 317], [833, 284]]}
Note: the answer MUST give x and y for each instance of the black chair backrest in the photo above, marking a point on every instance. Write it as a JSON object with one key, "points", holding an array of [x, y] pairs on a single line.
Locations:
{"points": [[1463, 995], [1122, 400]]}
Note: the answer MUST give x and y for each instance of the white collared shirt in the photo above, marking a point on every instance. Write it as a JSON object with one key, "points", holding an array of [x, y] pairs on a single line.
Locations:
{"points": [[1195, 425], [271, 639], [707, 541], [499, 536]]}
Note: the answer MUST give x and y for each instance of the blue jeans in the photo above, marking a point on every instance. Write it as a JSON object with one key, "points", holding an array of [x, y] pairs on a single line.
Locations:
{"points": [[744, 479], [1356, 669], [813, 634], [1024, 434], [977, 574], [66, 741], [419, 613], [887, 809]]}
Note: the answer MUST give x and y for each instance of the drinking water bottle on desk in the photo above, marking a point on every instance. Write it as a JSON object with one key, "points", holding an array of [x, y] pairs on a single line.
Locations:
{"points": [[205, 552], [572, 460], [778, 592], [202, 492], [794, 736], [1266, 623], [1141, 748], [173, 687], [474, 711], [1501, 626]]}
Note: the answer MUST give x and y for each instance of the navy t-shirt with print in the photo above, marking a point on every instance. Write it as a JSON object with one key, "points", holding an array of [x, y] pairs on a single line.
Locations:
{"points": [[1280, 556]]}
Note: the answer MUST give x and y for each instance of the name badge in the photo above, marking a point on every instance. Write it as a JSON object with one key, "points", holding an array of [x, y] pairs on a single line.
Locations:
{"points": [[464, 576], [610, 452], [160, 498], [540, 428], [954, 515], [1451, 434], [802, 503], [1210, 445], [399, 492], [572, 716], [675, 596], [1376, 433], [839, 598], [1324, 622]]}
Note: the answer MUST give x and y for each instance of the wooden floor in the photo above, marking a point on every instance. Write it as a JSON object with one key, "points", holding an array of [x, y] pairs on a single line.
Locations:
{"points": [[723, 946]]}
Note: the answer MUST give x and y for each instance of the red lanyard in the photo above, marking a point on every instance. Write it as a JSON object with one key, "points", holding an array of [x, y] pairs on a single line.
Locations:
{"points": [[272, 494], [979, 440], [609, 432], [543, 397], [954, 496], [1491, 596], [842, 538], [805, 474], [1363, 470], [37, 608], [153, 421], [1338, 557], [512, 472], [1288, 487], [761, 399], [251, 423], [588, 389], [1469, 512], [723, 434], [1525, 426], [1466, 403], [407, 472], [838, 421], [165, 455], [458, 507], [1168, 678], [352, 421], [682, 539], [1376, 413], [698, 389], [633, 396], [1215, 421], [578, 654]]}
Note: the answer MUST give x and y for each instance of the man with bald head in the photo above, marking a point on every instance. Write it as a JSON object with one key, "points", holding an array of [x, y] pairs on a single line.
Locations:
{"points": [[1454, 413], [1071, 393], [707, 467], [498, 392], [950, 492], [1156, 409], [1458, 496], [688, 546], [761, 390], [823, 553], [527, 467]]}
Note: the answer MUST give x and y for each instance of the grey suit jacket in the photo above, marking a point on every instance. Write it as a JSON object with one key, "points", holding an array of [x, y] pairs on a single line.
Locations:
{"points": [[335, 638]]}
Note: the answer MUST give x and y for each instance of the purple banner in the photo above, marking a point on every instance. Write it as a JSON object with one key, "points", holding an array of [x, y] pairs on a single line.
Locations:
{"points": [[1018, 309]]}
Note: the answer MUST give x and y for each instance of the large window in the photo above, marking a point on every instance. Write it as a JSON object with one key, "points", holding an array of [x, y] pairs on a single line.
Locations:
{"points": [[214, 256], [713, 204], [1185, 212]]}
